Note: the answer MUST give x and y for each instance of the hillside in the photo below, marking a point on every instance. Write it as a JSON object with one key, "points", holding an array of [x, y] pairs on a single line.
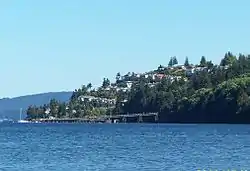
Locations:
{"points": [[201, 93], [9, 107]]}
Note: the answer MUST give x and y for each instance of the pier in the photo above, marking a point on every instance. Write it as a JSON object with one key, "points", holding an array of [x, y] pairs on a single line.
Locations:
{"points": [[134, 117], [122, 118]]}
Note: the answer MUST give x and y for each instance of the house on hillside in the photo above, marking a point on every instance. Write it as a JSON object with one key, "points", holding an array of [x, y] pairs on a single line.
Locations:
{"points": [[47, 111], [183, 67], [86, 98], [129, 84], [189, 71], [160, 76], [98, 99], [224, 67], [108, 88], [198, 69], [124, 89], [171, 78], [152, 84], [161, 68], [52, 117], [138, 75]]}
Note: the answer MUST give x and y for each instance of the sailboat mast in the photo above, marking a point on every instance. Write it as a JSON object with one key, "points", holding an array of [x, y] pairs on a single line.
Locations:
{"points": [[20, 113]]}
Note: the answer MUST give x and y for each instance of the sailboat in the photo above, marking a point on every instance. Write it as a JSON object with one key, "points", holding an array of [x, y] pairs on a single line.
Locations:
{"points": [[20, 119]]}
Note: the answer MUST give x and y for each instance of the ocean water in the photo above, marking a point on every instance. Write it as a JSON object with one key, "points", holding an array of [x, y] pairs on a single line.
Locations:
{"points": [[123, 147]]}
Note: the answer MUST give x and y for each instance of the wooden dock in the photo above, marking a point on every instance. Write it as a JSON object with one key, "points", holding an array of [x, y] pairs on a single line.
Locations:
{"points": [[135, 117], [122, 118]]}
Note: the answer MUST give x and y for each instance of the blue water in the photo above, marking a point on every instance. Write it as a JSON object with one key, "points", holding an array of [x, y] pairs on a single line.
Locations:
{"points": [[123, 147]]}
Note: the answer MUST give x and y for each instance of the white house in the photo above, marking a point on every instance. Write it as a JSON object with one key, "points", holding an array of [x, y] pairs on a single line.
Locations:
{"points": [[189, 72], [129, 84]]}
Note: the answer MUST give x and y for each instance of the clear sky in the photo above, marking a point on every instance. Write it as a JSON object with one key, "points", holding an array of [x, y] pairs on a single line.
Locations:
{"points": [[57, 45]]}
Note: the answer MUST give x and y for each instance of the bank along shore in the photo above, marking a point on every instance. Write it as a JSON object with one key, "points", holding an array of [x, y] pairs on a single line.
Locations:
{"points": [[124, 118]]}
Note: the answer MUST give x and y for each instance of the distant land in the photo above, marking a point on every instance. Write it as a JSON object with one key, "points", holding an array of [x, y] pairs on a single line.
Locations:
{"points": [[10, 107], [179, 93]]}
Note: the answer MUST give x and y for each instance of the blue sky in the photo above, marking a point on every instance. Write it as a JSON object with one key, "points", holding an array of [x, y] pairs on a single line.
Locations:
{"points": [[59, 45]]}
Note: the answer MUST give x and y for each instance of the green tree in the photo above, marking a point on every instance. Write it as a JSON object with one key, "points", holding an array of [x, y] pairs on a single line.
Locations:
{"points": [[54, 105], [160, 68], [105, 83], [171, 63], [186, 62], [203, 61], [89, 86], [228, 59], [175, 62], [118, 76], [83, 90], [210, 64], [61, 110]]}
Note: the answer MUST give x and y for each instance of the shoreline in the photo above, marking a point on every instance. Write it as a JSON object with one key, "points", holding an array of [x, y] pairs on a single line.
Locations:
{"points": [[123, 118], [85, 120]]}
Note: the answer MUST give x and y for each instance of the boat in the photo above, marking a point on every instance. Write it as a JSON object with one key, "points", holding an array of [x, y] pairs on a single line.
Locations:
{"points": [[20, 119], [23, 121]]}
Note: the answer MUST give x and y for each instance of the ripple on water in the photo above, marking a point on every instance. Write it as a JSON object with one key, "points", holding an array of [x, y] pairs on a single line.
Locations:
{"points": [[123, 147]]}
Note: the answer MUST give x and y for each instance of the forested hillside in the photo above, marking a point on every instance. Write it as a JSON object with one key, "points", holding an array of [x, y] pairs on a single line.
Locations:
{"points": [[204, 92]]}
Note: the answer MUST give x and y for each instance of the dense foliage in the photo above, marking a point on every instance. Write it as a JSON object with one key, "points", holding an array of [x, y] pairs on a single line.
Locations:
{"points": [[209, 93]]}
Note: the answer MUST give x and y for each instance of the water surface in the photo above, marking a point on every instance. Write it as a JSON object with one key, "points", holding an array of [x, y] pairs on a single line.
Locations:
{"points": [[125, 147]]}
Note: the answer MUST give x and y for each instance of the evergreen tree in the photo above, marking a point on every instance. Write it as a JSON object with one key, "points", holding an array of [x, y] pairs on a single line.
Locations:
{"points": [[105, 83], [203, 61], [175, 62], [171, 62], [186, 62], [228, 59], [89, 86], [118, 76]]}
